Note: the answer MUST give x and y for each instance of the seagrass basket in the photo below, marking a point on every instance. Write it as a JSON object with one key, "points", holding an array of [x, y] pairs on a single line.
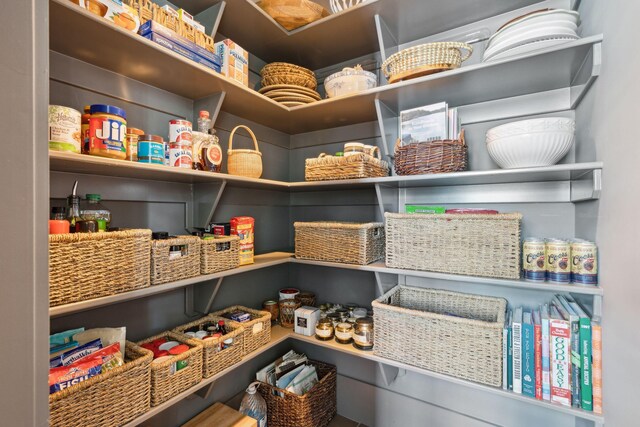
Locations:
{"points": [[84, 266], [316, 408], [214, 358], [115, 397], [361, 165], [470, 244], [219, 254], [164, 269], [283, 73], [285, 67], [450, 333], [244, 162], [168, 381], [345, 242], [257, 331], [420, 158], [425, 59]]}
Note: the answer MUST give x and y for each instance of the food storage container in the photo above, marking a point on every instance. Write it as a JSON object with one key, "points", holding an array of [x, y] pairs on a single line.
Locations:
{"points": [[349, 81]]}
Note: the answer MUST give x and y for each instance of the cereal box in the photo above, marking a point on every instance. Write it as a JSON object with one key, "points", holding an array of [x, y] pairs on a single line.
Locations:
{"points": [[244, 227], [235, 61]]}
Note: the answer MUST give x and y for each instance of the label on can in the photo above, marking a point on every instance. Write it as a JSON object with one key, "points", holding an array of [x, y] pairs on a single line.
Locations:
{"points": [[558, 265], [584, 263], [107, 134], [533, 260], [64, 129], [180, 155], [151, 152], [179, 131]]}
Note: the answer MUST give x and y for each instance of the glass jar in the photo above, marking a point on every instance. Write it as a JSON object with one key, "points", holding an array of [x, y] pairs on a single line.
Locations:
{"points": [[344, 333], [324, 329], [353, 148], [343, 313], [133, 136], [334, 317], [363, 334], [95, 211], [151, 149]]}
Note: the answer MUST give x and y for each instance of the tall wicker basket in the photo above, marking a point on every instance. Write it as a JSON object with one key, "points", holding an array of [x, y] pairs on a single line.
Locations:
{"points": [[244, 162], [446, 332]]}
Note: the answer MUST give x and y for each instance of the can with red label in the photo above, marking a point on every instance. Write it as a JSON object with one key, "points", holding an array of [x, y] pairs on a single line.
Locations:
{"points": [[179, 131], [180, 155]]}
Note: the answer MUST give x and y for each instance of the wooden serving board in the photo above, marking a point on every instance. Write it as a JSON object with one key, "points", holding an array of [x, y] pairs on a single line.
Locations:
{"points": [[220, 415], [419, 72]]}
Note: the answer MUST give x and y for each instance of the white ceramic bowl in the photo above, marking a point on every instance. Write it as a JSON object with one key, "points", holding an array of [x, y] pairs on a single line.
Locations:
{"points": [[531, 143], [349, 81]]}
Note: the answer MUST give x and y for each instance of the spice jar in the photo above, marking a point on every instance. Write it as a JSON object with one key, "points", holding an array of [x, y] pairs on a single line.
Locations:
{"points": [[344, 333], [133, 136], [58, 223], [363, 334], [272, 307], [353, 148], [108, 131], [324, 329], [334, 317]]}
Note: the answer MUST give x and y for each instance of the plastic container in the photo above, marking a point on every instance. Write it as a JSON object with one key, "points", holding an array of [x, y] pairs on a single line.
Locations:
{"points": [[84, 129], [108, 131], [94, 210], [64, 129], [253, 405], [151, 149]]}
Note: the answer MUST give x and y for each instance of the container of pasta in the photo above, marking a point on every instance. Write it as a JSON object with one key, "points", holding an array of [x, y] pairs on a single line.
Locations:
{"points": [[244, 228], [64, 128]]}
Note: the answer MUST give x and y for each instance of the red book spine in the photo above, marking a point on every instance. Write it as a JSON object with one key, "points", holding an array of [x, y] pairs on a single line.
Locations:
{"points": [[537, 349]]}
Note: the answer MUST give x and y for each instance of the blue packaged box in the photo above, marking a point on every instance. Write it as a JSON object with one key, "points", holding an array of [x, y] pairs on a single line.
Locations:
{"points": [[161, 30], [162, 41]]}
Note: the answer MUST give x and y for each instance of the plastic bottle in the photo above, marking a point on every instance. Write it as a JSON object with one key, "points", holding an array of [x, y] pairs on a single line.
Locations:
{"points": [[253, 405], [204, 122], [94, 210]]}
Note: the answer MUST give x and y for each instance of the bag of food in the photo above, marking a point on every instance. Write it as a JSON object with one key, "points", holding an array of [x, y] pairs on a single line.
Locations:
{"points": [[292, 14]]}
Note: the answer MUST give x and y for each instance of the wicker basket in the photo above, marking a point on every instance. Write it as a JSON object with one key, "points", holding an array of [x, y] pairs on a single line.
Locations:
{"points": [[215, 360], [425, 59], [292, 14], [316, 408], [115, 397], [83, 266], [166, 382], [346, 242], [431, 157], [165, 270], [283, 73], [285, 67], [446, 332], [470, 244], [257, 331], [360, 165], [244, 162], [219, 254]]}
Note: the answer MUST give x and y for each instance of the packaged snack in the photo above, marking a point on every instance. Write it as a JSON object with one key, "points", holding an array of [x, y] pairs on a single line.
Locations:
{"points": [[110, 357], [244, 227], [107, 336], [71, 356], [63, 340], [115, 11], [235, 61], [66, 376]]}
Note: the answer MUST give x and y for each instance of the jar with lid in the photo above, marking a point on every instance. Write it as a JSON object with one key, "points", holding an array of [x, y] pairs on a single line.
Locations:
{"points": [[363, 334], [334, 317], [94, 210], [58, 223], [344, 333], [343, 313], [108, 131], [324, 329], [353, 148], [133, 136], [151, 149], [84, 129]]}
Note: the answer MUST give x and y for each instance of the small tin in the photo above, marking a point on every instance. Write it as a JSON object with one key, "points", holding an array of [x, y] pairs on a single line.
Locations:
{"points": [[324, 329], [344, 333], [584, 263], [533, 259], [557, 265]]}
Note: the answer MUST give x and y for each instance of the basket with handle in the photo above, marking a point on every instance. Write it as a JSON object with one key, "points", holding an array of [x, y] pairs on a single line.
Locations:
{"points": [[359, 165], [425, 59], [431, 157], [244, 162]]}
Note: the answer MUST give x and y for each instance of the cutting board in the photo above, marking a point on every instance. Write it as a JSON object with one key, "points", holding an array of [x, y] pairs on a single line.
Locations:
{"points": [[220, 415]]}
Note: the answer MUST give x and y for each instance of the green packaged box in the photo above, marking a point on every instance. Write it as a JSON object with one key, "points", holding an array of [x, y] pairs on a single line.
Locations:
{"points": [[420, 209]]}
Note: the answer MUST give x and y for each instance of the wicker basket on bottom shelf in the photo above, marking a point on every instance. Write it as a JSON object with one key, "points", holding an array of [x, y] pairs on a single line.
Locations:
{"points": [[219, 254], [446, 332], [115, 397], [316, 408], [257, 331]]}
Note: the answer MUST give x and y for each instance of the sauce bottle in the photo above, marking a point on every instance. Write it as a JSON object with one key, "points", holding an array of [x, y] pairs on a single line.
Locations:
{"points": [[207, 151], [73, 208]]}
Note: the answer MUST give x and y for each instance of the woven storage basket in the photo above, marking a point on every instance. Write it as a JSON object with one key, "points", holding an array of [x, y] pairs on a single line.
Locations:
{"points": [[166, 382], [425, 59], [115, 397], [446, 332], [361, 165], [316, 408], [165, 270], [215, 360], [470, 244], [292, 14], [244, 162], [83, 266], [431, 157], [346, 242], [284, 67], [219, 254], [294, 79], [257, 331]]}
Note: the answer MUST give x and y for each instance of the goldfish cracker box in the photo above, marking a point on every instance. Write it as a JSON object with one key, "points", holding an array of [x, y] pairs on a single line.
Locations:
{"points": [[115, 11], [235, 61], [244, 227]]}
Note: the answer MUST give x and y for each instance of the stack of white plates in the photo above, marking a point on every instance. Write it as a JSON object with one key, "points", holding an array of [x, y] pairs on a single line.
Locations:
{"points": [[536, 30]]}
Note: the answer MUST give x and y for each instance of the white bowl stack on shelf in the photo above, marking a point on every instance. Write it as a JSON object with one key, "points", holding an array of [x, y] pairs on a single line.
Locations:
{"points": [[531, 143], [536, 30]]}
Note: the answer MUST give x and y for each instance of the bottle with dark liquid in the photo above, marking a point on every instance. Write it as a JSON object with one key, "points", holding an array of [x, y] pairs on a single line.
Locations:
{"points": [[206, 146], [221, 327]]}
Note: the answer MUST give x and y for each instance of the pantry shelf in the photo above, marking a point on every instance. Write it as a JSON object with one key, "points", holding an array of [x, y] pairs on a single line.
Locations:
{"points": [[379, 267], [261, 261]]}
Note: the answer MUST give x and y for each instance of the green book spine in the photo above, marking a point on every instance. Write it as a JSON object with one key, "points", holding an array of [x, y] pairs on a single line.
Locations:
{"points": [[586, 387]]}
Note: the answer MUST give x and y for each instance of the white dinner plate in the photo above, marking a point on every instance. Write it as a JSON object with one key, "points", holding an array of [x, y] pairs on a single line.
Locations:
{"points": [[529, 37], [514, 31], [546, 16], [529, 47]]}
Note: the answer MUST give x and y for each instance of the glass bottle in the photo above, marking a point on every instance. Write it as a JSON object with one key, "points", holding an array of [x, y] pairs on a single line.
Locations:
{"points": [[94, 210], [253, 405], [211, 153], [73, 208]]}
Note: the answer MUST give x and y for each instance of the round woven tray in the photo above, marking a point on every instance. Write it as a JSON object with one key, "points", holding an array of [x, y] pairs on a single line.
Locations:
{"points": [[425, 59]]}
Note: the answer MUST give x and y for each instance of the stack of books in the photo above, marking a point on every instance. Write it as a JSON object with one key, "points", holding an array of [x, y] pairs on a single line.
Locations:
{"points": [[554, 353]]}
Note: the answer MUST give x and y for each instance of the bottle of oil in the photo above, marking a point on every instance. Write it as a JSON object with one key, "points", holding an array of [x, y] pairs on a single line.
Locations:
{"points": [[73, 208]]}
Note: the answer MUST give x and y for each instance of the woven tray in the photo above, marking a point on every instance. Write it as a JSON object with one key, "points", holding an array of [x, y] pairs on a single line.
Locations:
{"points": [[165, 270], [446, 332], [115, 397], [257, 331], [325, 167], [215, 360], [83, 266], [470, 244], [431, 157], [425, 59], [219, 254], [165, 381], [346, 242], [316, 408]]}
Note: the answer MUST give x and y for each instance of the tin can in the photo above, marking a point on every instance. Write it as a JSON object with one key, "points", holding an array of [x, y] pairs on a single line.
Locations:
{"points": [[151, 149], [533, 259], [180, 155], [558, 265], [180, 131], [64, 129], [584, 263]]}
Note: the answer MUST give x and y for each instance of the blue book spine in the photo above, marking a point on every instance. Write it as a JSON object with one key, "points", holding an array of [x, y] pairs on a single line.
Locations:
{"points": [[546, 362], [528, 360]]}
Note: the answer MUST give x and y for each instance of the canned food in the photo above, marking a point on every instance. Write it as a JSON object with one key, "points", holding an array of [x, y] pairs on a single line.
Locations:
{"points": [[533, 259], [584, 263], [180, 155], [151, 149], [108, 131], [64, 129], [558, 265], [180, 131]]}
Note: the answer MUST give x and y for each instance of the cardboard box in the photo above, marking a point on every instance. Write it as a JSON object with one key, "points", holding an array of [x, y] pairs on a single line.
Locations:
{"points": [[162, 41], [115, 11], [189, 19], [235, 61], [305, 320], [161, 30]]}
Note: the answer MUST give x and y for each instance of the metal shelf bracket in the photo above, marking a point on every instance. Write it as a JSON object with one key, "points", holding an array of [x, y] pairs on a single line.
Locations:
{"points": [[386, 39], [204, 205], [587, 189], [390, 373], [205, 392], [211, 17], [586, 75]]}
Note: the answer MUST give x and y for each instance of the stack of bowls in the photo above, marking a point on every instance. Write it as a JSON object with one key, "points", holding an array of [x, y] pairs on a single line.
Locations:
{"points": [[289, 84], [531, 143], [535, 30]]}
